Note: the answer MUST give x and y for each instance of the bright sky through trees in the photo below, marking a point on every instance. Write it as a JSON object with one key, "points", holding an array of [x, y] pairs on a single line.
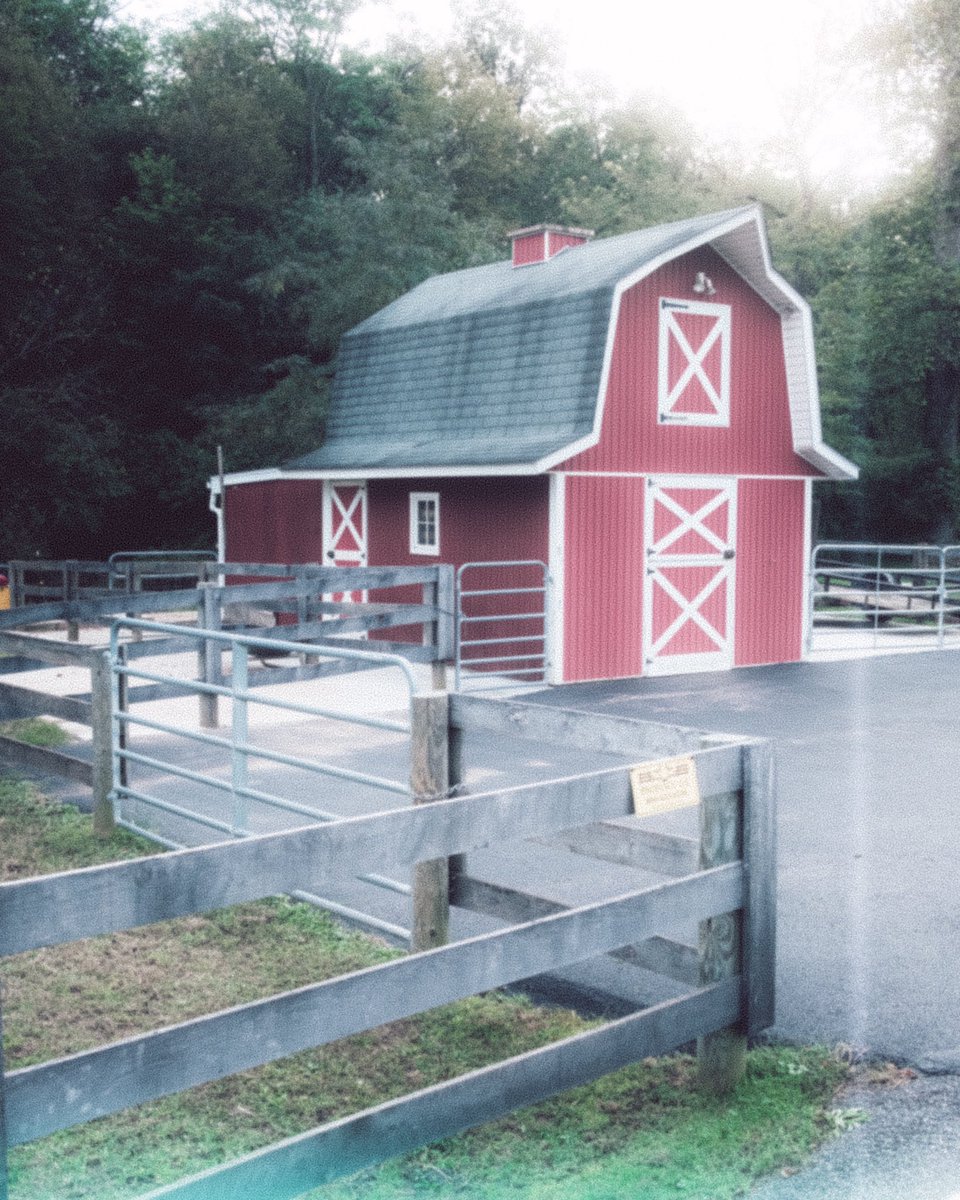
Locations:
{"points": [[747, 73]]}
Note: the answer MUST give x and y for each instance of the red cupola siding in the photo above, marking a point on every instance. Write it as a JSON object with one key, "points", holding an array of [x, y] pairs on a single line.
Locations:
{"points": [[541, 242], [639, 411]]}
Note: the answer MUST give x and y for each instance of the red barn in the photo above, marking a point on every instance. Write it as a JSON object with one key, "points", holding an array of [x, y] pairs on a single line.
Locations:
{"points": [[640, 412]]}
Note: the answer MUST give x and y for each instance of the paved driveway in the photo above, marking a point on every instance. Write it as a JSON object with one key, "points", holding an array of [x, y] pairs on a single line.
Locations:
{"points": [[868, 755]]}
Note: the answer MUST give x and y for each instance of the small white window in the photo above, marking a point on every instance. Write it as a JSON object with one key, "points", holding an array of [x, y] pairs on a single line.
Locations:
{"points": [[694, 376], [424, 522]]}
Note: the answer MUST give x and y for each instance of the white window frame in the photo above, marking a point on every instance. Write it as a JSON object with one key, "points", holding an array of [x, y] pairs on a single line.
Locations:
{"points": [[669, 331], [416, 545]]}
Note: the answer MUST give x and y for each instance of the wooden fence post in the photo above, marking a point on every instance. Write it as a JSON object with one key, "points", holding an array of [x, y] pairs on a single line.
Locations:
{"points": [[70, 580], [101, 723], [446, 625], [429, 780], [4, 1183], [760, 917], [721, 1056], [209, 653]]}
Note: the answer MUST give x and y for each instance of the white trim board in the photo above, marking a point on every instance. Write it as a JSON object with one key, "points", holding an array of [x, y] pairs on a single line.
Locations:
{"points": [[556, 566]]}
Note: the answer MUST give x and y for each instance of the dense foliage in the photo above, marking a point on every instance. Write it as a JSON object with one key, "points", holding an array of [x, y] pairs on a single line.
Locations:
{"points": [[187, 228]]}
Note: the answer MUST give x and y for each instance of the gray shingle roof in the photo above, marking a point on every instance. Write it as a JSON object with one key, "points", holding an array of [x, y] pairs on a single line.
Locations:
{"points": [[490, 366]]}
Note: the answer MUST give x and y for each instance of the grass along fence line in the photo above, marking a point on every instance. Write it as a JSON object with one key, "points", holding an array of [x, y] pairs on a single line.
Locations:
{"points": [[729, 894], [646, 1130]]}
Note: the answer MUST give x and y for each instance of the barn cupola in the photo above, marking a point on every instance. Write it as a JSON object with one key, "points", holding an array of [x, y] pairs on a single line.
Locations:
{"points": [[538, 243]]}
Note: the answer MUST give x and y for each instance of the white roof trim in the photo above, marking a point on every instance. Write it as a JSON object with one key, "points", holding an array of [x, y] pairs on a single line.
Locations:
{"points": [[797, 322], [271, 474]]}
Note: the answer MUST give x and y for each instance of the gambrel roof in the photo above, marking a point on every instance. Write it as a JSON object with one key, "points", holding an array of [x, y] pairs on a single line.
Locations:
{"points": [[501, 369]]}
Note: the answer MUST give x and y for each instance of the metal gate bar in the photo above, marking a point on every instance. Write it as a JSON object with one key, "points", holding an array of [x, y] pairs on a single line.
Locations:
{"points": [[239, 746], [887, 590], [535, 660]]}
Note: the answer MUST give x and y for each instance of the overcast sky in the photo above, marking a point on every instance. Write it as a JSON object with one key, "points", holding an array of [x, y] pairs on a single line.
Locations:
{"points": [[737, 69]]}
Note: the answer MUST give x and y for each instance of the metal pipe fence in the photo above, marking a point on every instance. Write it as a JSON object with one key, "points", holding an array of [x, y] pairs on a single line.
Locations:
{"points": [[883, 596], [221, 796], [492, 638]]}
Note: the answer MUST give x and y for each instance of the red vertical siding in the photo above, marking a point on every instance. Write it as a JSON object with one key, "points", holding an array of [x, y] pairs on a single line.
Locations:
{"points": [[770, 571], [530, 248], [758, 439], [275, 522], [604, 577], [561, 241], [481, 520]]}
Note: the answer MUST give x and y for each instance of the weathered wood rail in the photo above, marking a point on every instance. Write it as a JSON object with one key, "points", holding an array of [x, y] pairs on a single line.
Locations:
{"points": [[295, 590], [75, 592], [729, 890]]}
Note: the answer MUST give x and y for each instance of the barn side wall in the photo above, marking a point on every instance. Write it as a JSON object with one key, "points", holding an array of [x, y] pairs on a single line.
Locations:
{"points": [[771, 574], [275, 521], [603, 570], [481, 520], [758, 439]]}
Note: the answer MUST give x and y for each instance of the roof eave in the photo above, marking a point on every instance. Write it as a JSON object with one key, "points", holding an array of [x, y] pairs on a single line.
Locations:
{"points": [[273, 474], [829, 461]]}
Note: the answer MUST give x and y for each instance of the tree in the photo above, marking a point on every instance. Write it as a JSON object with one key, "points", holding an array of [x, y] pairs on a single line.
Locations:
{"points": [[919, 55], [68, 83]]}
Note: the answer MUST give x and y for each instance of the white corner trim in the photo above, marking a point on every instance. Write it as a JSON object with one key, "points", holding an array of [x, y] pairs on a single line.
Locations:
{"points": [[805, 628], [556, 564]]}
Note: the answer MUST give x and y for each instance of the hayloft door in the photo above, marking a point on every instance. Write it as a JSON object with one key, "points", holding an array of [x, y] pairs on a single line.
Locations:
{"points": [[689, 571], [345, 530]]}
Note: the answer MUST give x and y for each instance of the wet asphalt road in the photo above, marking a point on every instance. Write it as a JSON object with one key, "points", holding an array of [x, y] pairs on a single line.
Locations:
{"points": [[868, 760], [868, 755]]}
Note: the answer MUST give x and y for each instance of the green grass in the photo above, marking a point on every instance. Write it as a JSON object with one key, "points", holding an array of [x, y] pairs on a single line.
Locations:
{"points": [[36, 731], [644, 1132]]}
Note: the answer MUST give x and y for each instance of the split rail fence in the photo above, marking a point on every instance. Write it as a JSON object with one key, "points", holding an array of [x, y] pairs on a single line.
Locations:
{"points": [[298, 594], [723, 879]]}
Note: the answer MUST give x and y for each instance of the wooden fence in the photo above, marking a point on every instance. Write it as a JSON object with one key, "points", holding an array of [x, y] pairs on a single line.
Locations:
{"points": [[296, 590], [724, 880], [300, 592]]}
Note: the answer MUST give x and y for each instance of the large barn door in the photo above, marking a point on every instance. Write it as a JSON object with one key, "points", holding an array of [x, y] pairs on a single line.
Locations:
{"points": [[690, 542], [345, 531]]}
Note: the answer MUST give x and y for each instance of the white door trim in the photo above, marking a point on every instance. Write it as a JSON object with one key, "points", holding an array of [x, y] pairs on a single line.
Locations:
{"points": [[661, 561], [345, 516]]}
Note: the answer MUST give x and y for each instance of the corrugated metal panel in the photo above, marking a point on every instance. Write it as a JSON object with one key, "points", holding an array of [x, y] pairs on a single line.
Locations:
{"points": [[770, 571], [275, 521], [604, 577], [758, 439]]}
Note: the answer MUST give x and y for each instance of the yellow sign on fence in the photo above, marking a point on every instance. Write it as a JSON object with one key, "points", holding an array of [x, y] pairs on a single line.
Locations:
{"points": [[664, 785]]}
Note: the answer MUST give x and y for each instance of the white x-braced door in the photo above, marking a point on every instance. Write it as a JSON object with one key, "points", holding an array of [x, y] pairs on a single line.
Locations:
{"points": [[688, 593], [345, 531]]}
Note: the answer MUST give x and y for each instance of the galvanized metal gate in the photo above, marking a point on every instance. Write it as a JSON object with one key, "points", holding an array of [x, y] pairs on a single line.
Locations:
{"points": [[192, 785], [502, 624], [871, 596]]}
